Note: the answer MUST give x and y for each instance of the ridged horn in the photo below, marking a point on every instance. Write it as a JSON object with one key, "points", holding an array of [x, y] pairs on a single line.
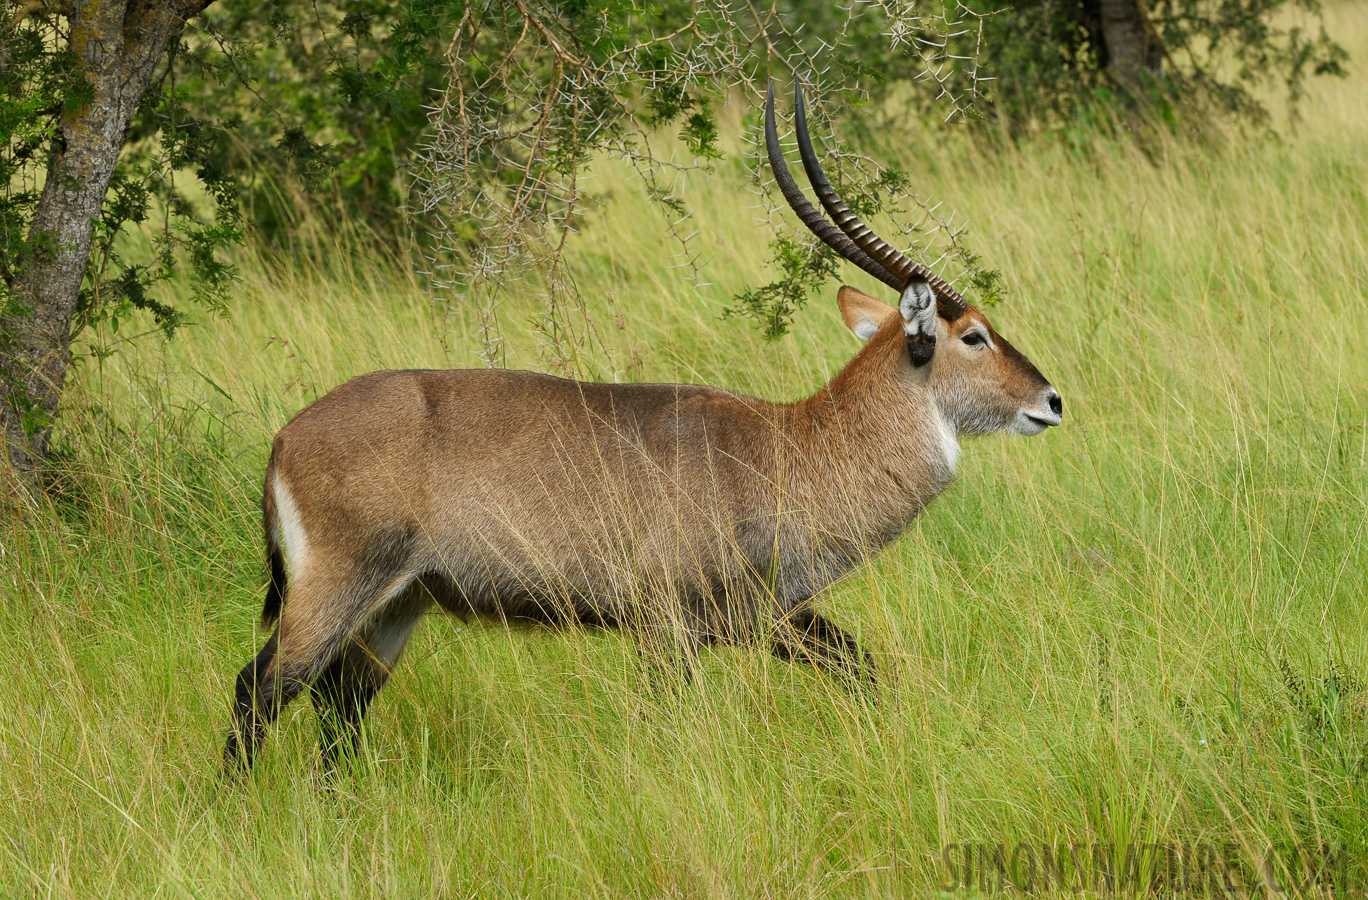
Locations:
{"points": [[949, 304], [817, 223]]}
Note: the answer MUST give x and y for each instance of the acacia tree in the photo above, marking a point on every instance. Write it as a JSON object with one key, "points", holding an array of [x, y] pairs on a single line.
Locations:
{"points": [[74, 75], [593, 78]]}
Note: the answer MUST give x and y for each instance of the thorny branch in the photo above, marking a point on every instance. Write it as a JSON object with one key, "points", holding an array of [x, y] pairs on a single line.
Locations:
{"points": [[534, 94]]}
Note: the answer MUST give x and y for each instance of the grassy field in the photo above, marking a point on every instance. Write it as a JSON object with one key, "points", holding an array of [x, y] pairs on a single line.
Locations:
{"points": [[1146, 627]]}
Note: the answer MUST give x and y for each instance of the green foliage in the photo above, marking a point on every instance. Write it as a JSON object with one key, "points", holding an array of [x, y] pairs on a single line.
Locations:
{"points": [[805, 268], [1249, 38], [249, 111], [324, 103], [537, 94], [1049, 59], [190, 221], [301, 112]]}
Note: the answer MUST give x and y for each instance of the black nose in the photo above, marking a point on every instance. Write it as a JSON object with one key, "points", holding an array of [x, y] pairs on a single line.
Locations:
{"points": [[1057, 404]]}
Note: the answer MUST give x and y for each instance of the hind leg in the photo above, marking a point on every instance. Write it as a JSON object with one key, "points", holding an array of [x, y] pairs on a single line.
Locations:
{"points": [[668, 643], [345, 688], [670, 660], [321, 615], [258, 698], [805, 634]]}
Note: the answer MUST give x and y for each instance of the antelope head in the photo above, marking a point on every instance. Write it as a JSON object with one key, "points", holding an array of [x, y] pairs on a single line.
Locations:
{"points": [[980, 382]]}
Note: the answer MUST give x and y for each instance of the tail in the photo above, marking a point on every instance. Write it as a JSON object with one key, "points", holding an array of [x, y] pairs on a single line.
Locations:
{"points": [[275, 560]]}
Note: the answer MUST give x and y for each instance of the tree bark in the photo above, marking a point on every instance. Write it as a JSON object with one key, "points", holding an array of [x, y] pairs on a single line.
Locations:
{"points": [[119, 44], [1133, 48]]}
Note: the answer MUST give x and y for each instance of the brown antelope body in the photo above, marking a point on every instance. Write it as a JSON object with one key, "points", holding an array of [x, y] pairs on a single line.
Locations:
{"points": [[687, 513]]}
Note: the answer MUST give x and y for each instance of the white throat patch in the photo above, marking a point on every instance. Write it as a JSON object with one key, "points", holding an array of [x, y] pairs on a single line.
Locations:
{"points": [[947, 438]]}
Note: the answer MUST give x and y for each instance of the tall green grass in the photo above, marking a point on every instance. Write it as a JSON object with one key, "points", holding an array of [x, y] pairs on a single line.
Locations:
{"points": [[1148, 626]]}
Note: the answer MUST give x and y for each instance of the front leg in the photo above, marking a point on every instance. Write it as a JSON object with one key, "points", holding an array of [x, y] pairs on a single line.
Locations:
{"points": [[669, 651], [805, 635]]}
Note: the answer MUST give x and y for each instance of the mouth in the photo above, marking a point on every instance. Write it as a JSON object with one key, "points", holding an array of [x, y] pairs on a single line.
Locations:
{"points": [[1032, 422]]}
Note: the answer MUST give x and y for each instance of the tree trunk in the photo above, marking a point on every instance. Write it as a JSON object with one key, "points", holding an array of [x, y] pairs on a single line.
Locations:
{"points": [[1132, 46], [119, 44]]}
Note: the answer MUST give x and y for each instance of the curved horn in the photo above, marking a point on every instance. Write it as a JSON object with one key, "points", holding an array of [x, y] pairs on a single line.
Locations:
{"points": [[949, 303], [817, 223]]}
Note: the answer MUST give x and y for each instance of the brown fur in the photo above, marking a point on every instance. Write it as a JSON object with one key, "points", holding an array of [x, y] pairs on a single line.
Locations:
{"points": [[687, 513]]}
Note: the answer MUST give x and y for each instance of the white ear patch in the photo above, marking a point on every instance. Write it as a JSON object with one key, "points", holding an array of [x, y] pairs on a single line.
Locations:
{"points": [[918, 308], [866, 329]]}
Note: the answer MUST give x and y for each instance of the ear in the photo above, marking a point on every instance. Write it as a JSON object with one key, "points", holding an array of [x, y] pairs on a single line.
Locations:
{"points": [[863, 314]]}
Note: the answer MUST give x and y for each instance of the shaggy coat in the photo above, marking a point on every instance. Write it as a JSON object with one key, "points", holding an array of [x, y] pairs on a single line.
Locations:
{"points": [[686, 513]]}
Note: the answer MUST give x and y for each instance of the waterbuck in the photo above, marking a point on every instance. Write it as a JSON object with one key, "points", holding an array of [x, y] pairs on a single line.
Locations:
{"points": [[686, 513]]}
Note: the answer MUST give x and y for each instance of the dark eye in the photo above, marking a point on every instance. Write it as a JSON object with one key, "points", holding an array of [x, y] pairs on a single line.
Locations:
{"points": [[973, 338]]}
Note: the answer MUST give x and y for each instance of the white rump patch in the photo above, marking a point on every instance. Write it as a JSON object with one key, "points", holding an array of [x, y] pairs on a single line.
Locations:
{"points": [[918, 308], [291, 527]]}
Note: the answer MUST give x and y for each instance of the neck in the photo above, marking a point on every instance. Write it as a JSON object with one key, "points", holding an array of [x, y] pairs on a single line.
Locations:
{"points": [[873, 447]]}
